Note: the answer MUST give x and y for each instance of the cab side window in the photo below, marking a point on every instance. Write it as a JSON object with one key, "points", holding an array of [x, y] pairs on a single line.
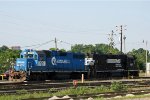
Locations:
{"points": [[41, 57], [35, 57], [21, 56]]}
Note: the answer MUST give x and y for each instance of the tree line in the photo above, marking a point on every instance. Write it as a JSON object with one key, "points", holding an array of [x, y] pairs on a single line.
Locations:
{"points": [[8, 56], [139, 54]]}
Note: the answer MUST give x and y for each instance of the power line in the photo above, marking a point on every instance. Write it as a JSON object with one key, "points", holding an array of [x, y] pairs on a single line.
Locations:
{"points": [[38, 45], [42, 25], [57, 41], [44, 43]]}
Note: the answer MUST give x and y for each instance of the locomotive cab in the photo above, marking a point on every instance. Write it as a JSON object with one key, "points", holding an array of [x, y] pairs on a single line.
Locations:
{"points": [[28, 59], [133, 70]]}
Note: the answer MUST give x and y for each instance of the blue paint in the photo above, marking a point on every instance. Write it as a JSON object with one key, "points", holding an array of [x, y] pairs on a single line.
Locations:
{"points": [[49, 61]]}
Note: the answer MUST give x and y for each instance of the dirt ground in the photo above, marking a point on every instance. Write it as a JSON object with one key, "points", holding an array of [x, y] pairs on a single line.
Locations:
{"points": [[146, 98]]}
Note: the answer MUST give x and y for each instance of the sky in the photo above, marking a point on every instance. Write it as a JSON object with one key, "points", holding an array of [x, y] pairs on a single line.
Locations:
{"points": [[30, 22]]}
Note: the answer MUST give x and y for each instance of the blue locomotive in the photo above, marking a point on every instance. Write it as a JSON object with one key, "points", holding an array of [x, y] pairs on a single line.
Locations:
{"points": [[47, 64]]}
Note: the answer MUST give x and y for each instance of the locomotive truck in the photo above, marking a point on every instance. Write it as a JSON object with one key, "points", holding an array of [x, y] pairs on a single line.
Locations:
{"points": [[47, 64]]}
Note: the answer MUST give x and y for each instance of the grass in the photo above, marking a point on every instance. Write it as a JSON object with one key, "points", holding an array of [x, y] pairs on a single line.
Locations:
{"points": [[142, 74], [83, 90], [24, 96], [118, 86], [115, 86], [23, 91], [70, 91]]}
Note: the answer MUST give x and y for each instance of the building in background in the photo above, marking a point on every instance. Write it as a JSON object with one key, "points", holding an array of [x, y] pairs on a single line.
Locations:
{"points": [[16, 48]]}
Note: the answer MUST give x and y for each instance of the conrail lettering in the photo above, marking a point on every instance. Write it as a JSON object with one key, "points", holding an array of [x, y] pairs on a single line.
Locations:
{"points": [[54, 61], [63, 61]]}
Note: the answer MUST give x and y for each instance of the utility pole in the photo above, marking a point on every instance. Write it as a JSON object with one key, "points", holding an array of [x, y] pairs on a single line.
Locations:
{"points": [[55, 44], [146, 60], [124, 44], [121, 33], [121, 37], [146, 69]]}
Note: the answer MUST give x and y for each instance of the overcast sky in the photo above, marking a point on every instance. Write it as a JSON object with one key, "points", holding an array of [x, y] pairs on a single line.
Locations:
{"points": [[25, 23]]}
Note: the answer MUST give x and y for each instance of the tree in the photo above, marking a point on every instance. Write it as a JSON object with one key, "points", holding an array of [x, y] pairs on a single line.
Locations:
{"points": [[77, 48], [3, 48], [54, 49], [98, 48], [105, 49], [7, 58], [140, 57]]}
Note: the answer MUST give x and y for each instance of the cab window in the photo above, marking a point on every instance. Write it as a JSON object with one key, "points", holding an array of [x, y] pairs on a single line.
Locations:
{"points": [[21, 56], [41, 57], [30, 55], [35, 57], [25, 56]]}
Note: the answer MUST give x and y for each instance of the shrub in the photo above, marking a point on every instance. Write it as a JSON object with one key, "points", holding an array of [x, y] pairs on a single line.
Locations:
{"points": [[118, 86]]}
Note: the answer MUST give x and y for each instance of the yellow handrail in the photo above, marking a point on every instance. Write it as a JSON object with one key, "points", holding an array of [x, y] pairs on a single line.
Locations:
{"points": [[2, 76]]}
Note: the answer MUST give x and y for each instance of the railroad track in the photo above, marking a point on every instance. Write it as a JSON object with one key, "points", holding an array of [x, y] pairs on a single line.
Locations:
{"points": [[45, 84], [58, 85]]}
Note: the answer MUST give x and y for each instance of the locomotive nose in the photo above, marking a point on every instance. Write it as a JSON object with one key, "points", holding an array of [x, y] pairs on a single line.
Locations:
{"points": [[20, 64]]}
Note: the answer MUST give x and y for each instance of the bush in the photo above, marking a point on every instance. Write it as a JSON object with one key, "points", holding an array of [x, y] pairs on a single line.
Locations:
{"points": [[118, 86], [99, 89]]}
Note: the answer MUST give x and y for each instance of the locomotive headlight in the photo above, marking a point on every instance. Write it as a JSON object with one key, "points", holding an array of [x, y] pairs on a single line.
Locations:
{"points": [[131, 64], [30, 52]]}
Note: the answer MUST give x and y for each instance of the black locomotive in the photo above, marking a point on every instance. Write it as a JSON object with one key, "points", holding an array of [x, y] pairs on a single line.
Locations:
{"points": [[108, 65]]}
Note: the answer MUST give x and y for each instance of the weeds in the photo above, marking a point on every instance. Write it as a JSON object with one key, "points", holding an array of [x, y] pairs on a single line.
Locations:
{"points": [[118, 86], [82, 90]]}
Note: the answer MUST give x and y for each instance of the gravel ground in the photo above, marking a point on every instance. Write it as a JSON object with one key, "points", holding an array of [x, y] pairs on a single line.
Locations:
{"points": [[146, 98]]}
